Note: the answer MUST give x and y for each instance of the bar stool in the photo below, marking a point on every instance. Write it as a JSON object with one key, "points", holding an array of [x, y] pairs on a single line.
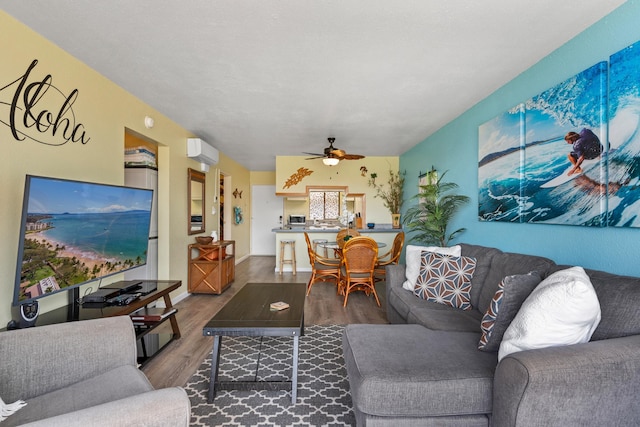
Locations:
{"points": [[316, 242], [292, 260]]}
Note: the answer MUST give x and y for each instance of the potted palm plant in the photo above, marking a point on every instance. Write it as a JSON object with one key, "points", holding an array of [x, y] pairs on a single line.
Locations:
{"points": [[391, 194], [436, 206]]}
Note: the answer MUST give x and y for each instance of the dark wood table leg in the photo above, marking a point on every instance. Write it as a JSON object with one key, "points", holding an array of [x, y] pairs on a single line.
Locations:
{"points": [[172, 319], [215, 363]]}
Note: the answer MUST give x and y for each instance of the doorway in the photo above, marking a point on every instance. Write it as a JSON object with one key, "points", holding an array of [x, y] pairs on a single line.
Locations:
{"points": [[266, 212]]}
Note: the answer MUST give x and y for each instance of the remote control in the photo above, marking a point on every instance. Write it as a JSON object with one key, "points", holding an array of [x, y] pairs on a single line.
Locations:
{"points": [[132, 297], [124, 299]]}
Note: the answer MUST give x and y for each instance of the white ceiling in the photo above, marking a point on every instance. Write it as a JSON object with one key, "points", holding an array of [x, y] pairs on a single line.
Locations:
{"points": [[260, 78]]}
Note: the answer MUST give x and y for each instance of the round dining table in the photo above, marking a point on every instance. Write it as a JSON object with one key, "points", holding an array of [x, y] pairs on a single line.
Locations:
{"points": [[334, 245], [337, 250]]}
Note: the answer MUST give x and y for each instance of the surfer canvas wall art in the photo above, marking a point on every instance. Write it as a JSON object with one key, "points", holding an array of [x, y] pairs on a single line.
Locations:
{"points": [[624, 137], [500, 160], [558, 193], [534, 180]]}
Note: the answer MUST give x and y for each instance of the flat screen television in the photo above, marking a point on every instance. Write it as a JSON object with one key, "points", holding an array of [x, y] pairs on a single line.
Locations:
{"points": [[75, 232]]}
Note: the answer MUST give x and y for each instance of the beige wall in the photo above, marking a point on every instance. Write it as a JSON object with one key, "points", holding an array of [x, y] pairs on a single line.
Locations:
{"points": [[240, 180], [263, 178], [105, 110], [346, 173]]}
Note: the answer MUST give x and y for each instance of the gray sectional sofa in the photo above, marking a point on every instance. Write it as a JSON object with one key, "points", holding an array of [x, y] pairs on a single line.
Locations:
{"points": [[425, 369]]}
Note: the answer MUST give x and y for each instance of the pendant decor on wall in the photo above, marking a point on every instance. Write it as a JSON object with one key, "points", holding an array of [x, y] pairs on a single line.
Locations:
{"points": [[561, 157]]}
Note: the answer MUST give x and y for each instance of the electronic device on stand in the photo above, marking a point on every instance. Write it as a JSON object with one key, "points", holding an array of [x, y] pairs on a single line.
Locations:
{"points": [[28, 314]]}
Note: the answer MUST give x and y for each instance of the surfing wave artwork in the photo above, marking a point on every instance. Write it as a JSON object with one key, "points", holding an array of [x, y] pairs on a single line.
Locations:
{"points": [[563, 157]]}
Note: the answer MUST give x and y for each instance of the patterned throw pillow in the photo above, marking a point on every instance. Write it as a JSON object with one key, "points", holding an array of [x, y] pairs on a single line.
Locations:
{"points": [[413, 258], [445, 279], [490, 317], [511, 293]]}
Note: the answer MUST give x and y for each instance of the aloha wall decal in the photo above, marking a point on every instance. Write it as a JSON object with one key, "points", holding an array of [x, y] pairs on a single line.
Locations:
{"points": [[39, 111], [570, 155]]}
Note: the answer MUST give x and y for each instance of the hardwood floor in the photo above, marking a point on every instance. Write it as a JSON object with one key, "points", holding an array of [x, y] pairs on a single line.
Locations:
{"points": [[176, 363]]}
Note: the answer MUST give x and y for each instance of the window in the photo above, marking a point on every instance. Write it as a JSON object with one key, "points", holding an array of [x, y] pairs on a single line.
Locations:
{"points": [[324, 205]]}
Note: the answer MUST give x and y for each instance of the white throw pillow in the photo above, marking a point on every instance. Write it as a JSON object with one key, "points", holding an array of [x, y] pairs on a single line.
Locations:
{"points": [[412, 261], [562, 310], [7, 409]]}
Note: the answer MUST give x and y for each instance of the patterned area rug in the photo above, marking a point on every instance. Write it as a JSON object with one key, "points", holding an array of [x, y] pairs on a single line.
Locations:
{"points": [[323, 388]]}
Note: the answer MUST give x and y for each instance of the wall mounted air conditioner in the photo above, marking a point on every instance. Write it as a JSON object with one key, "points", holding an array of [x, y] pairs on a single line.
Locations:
{"points": [[203, 152]]}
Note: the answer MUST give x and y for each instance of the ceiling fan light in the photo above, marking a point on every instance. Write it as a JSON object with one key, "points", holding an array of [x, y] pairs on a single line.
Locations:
{"points": [[330, 161]]}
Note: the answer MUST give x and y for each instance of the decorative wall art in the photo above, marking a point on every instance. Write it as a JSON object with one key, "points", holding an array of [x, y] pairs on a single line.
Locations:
{"points": [[237, 215], [501, 155], [428, 178], [297, 177], [544, 161], [624, 138], [35, 109]]}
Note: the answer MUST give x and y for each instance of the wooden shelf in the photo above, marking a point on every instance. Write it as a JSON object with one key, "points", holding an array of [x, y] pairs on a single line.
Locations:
{"points": [[211, 267]]}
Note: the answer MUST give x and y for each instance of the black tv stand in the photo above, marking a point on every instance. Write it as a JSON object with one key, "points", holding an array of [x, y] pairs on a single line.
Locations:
{"points": [[124, 286], [73, 308], [149, 344]]}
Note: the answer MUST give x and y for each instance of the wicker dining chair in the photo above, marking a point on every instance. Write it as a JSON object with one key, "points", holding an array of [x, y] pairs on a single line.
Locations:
{"points": [[343, 233], [322, 268], [359, 257], [389, 258]]}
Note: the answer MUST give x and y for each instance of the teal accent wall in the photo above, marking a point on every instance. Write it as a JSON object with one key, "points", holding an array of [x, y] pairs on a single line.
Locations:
{"points": [[454, 148]]}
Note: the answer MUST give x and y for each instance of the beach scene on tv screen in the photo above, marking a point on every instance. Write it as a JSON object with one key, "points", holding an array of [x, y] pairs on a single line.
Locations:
{"points": [[76, 232]]}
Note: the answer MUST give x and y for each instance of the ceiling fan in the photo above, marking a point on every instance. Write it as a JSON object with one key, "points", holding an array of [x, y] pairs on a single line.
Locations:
{"points": [[332, 155]]}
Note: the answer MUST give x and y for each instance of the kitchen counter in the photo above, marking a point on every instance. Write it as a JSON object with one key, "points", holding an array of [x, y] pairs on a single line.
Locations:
{"points": [[313, 229], [384, 234]]}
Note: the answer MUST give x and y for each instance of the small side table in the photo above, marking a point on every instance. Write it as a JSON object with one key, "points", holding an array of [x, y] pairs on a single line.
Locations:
{"points": [[211, 267]]}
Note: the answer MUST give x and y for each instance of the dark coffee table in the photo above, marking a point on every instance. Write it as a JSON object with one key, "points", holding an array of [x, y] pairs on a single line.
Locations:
{"points": [[248, 313]]}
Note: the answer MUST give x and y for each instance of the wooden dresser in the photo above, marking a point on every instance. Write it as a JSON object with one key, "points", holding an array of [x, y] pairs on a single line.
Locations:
{"points": [[211, 267]]}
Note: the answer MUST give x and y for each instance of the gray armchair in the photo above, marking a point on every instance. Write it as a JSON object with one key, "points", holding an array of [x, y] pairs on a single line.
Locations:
{"points": [[83, 374]]}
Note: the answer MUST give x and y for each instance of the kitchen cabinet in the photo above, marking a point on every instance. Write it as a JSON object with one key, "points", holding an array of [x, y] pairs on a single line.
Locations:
{"points": [[211, 267]]}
